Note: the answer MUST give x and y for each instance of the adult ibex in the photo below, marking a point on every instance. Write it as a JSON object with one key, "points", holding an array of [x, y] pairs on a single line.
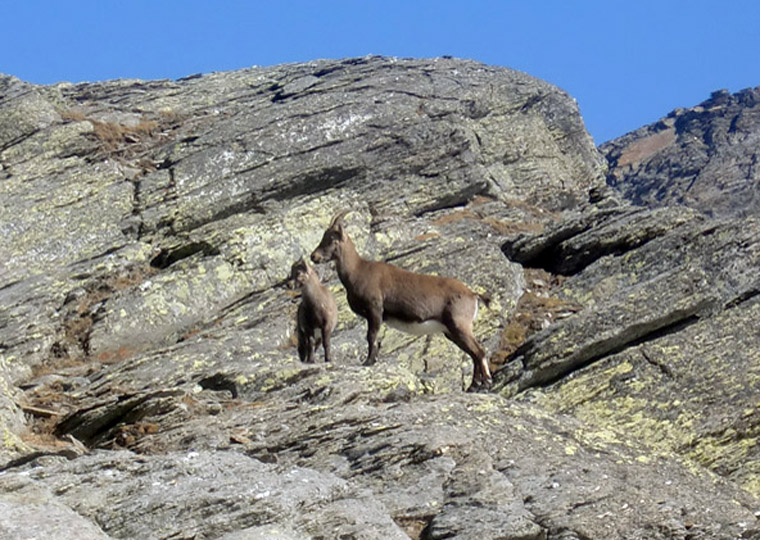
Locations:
{"points": [[317, 312], [415, 303]]}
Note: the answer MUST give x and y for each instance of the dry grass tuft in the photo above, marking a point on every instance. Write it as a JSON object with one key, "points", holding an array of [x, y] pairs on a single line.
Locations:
{"points": [[536, 309], [113, 136], [72, 346], [454, 217], [509, 228], [129, 142]]}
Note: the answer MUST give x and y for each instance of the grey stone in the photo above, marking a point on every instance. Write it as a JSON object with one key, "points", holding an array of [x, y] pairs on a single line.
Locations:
{"points": [[150, 387], [30, 512]]}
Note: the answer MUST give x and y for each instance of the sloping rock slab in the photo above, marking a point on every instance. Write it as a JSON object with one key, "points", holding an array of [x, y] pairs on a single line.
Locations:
{"points": [[664, 347], [207, 495], [639, 273], [453, 465]]}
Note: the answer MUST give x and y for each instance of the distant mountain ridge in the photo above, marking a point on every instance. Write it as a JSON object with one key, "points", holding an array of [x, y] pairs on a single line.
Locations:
{"points": [[704, 157]]}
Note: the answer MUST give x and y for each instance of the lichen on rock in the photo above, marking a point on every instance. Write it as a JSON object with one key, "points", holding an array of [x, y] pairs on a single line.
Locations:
{"points": [[149, 382]]}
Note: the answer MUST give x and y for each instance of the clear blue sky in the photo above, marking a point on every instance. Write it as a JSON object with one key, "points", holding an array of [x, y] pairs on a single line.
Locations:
{"points": [[626, 62]]}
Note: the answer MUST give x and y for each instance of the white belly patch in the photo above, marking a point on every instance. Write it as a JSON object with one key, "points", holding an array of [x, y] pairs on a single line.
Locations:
{"points": [[418, 329]]}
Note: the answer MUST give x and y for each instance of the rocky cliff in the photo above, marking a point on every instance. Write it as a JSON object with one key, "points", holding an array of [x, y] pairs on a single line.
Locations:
{"points": [[150, 383], [704, 157]]}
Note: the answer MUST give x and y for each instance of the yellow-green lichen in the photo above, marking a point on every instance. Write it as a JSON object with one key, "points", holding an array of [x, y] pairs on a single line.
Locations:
{"points": [[485, 404], [727, 450], [12, 442], [199, 364], [751, 481]]}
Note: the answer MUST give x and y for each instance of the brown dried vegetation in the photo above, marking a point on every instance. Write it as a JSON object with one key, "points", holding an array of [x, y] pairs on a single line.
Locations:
{"points": [[537, 308], [113, 136], [127, 142], [72, 346], [526, 218], [48, 401]]}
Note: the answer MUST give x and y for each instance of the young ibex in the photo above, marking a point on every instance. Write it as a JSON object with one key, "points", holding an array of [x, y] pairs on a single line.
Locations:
{"points": [[415, 303], [317, 312]]}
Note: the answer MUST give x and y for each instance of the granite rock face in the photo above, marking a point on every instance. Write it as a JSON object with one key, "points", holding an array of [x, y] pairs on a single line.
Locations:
{"points": [[664, 347], [150, 383]]}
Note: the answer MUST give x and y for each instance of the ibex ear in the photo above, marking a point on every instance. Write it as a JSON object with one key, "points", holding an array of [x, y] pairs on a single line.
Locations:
{"points": [[340, 229]]}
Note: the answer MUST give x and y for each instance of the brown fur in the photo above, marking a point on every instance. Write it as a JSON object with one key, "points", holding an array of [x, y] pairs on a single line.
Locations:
{"points": [[379, 292], [317, 311]]}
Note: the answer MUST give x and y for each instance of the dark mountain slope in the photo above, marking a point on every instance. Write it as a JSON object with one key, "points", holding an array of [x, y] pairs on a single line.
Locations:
{"points": [[704, 157]]}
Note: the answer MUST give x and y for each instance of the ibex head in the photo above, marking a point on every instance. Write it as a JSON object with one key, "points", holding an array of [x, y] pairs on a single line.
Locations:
{"points": [[330, 246], [300, 273]]}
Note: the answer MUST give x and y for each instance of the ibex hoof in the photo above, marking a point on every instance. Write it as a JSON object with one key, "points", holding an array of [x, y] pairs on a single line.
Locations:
{"points": [[480, 386]]}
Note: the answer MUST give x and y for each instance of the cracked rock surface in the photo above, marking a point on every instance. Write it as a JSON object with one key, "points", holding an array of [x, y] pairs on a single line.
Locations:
{"points": [[149, 382]]}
